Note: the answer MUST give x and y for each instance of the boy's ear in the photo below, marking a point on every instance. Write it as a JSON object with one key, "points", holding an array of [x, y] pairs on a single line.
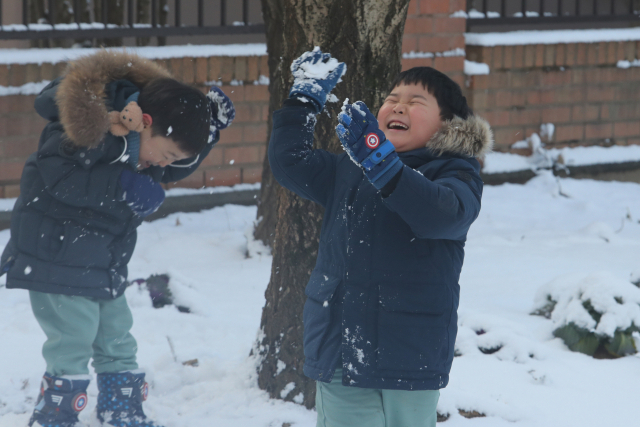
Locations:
{"points": [[146, 120]]}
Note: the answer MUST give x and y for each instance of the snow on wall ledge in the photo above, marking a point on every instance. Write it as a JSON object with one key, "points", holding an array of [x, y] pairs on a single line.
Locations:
{"points": [[53, 56], [514, 38]]}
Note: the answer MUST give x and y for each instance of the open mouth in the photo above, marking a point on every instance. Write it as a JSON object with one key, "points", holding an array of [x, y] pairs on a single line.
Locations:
{"points": [[395, 125]]}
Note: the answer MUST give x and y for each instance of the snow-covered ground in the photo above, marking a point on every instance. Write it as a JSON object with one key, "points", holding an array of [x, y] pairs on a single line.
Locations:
{"points": [[526, 236]]}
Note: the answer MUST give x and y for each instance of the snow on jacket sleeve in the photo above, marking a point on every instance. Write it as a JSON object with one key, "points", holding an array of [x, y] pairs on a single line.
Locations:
{"points": [[442, 208], [77, 178], [295, 164], [183, 168]]}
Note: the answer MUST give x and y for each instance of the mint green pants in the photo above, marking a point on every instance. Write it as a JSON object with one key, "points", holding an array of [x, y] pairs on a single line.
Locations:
{"points": [[80, 328], [342, 406]]}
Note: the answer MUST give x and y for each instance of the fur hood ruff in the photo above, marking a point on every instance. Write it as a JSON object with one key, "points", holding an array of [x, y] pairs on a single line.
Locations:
{"points": [[81, 94], [470, 137]]}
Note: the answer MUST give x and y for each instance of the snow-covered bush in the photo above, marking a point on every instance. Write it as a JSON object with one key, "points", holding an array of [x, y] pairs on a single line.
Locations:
{"points": [[597, 314]]}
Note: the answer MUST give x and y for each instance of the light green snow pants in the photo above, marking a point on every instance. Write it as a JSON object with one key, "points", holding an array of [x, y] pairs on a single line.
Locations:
{"points": [[80, 328], [342, 406]]}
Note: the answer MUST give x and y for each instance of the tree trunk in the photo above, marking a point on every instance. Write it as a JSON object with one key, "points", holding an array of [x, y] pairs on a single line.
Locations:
{"points": [[367, 36]]}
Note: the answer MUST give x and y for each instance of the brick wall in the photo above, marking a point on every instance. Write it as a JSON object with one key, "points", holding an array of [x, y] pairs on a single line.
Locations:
{"points": [[577, 87], [236, 159]]}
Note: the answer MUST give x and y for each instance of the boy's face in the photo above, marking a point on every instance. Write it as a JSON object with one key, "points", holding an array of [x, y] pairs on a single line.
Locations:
{"points": [[158, 150], [409, 117]]}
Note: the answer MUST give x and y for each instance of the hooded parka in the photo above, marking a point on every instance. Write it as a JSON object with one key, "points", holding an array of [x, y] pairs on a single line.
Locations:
{"points": [[382, 299], [72, 233]]}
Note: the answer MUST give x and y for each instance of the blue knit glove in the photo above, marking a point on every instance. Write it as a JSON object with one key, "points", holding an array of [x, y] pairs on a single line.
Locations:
{"points": [[143, 195], [315, 74], [367, 145], [222, 112]]}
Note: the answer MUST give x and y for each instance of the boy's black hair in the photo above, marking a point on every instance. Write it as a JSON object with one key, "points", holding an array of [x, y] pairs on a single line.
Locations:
{"points": [[444, 90], [180, 112]]}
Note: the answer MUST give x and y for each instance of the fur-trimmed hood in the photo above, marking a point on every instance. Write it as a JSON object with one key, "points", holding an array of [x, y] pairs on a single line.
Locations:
{"points": [[470, 137], [80, 96]]}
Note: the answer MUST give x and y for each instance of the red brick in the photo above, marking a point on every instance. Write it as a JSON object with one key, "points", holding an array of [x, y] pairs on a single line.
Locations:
{"points": [[188, 70], [569, 133], [445, 24], [601, 93], [4, 75], [252, 69], [46, 72], [572, 53], [263, 67], [449, 63], [413, 8], [556, 78], [620, 53], [504, 137], [251, 175], [215, 156], [533, 97], [592, 53], [540, 50], [240, 70], [508, 57], [581, 54], [11, 171], [602, 53], [556, 115], [227, 68], [418, 25], [433, 44], [231, 135], [409, 43], [255, 133], [503, 98], [549, 55], [17, 75], [629, 51], [248, 112], [630, 92], [11, 191], [433, 7], [32, 73], [264, 114], [599, 131], [496, 60], [241, 155], [518, 56], [530, 55], [416, 62], [479, 100], [457, 5], [202, 69], [623, 129], [226, 177], [525, 117], [195, 180], [568, 95], [256, 93], [585, 113], [235, 93], [215, 64], [497, 118], [561, 55], [19, 147], [176, 67]]}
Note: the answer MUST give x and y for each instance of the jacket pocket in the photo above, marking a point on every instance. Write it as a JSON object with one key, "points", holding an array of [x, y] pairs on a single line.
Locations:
{"points": [[84, 247], [38, 236], [320, 315], [413, 327]]}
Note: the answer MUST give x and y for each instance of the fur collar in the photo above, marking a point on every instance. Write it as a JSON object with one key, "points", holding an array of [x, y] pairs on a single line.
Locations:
{"points": [[471, 137], [81, 94]]}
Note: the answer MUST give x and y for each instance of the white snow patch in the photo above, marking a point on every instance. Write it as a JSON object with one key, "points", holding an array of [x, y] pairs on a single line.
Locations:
{"points": [[475, 68], [512, 38]]}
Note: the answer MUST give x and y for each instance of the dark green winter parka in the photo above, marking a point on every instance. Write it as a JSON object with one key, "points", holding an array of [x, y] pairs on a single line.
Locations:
{"points": [[71, 231]]}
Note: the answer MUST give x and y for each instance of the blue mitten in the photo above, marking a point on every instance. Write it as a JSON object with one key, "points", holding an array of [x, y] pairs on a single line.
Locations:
{"points": [[222, 111], [143, 195], [315, 74], [367, 145]]}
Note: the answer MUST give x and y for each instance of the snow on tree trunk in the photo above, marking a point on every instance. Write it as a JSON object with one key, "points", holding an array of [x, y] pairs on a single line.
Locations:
{"points": [[367, 36]]}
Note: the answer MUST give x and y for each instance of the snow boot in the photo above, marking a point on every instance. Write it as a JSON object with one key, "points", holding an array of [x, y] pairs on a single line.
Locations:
{"points": [[60, 401], [120, 400]]}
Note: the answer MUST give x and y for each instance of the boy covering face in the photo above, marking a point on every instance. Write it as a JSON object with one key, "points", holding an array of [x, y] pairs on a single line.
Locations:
{"points": [[380, 320]]}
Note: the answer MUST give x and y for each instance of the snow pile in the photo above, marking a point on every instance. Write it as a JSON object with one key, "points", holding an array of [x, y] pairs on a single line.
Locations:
{"points": [[628, 64], [593, 310], [33, 88], [513, 38], [447, 53], [475, 68]]}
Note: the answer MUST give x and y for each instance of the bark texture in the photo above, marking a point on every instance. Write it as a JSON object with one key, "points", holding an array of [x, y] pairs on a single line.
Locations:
{"points": [[367, 36]]}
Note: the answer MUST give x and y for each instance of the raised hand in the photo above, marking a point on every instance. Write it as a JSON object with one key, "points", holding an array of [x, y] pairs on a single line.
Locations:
{"points": [[315, 75], [143, 195], [222, 111], [366, 144]]}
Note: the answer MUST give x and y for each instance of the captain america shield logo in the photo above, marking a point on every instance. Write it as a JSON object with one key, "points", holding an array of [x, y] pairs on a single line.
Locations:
{"points": [[145, 391], [372, 140], [79, 402]]}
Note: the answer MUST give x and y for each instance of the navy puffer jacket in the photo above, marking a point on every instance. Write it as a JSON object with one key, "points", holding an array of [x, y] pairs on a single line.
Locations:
{"points": [[71, 231], [384, 293]]}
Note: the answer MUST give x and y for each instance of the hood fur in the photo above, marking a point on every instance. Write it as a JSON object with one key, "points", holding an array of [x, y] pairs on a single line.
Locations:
{"points": [[81, 97], [471, 137]]}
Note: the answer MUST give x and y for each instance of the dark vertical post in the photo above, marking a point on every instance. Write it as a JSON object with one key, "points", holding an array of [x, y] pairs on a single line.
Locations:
{"points": [[484, 8], [559, 7], [577, 7], [541, 8], [130, 13], [154, 13], [595, 7], [524, 8], [245, 12], [631, 7], [177, 12], [223, 13], [1, 15], [25, 12], [503, 9], [200, 13], [105, 12], [77, 15], [52, 13]]}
